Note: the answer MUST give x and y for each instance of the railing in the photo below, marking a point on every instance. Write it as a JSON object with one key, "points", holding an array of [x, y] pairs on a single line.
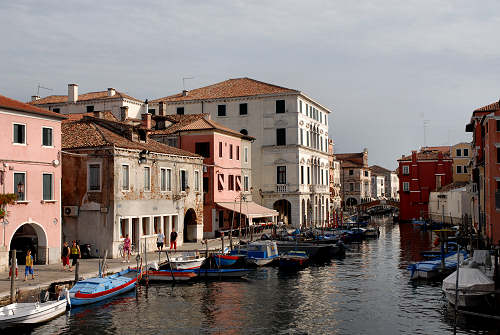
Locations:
{"points": [[317, 188], [281, 188]]}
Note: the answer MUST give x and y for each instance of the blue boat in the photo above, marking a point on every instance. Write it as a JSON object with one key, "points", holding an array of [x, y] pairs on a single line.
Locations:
{"points": [[433, 268], [258, 253], [96, 289], [227, 260]]}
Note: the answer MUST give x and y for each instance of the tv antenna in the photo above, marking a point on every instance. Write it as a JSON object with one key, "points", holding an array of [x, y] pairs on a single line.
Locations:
{"points": [[184, 81], [426, 123], [39, 87]]}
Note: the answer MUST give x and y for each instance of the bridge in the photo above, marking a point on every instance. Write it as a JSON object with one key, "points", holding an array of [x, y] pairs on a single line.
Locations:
{"points": [[378, 203]]}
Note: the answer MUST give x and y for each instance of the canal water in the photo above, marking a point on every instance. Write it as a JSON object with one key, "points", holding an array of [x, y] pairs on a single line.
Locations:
{"points": [[367, 292]]}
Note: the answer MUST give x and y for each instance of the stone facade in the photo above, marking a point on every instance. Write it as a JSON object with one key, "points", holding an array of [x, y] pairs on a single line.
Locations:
{"points": [[355, 178]]}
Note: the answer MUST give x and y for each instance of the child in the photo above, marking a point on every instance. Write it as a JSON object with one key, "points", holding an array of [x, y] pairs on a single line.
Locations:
{"points": [[29, 266]]}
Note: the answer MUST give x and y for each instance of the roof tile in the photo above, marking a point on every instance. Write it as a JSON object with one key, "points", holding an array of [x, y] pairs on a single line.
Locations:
{"points": [[12, 104]]}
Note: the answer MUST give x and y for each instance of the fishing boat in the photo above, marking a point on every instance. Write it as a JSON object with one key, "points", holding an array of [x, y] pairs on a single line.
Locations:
{"points": [[262, 253], [434, 268], [33, 312], [293, 260], [92, 290], [185, 261]]}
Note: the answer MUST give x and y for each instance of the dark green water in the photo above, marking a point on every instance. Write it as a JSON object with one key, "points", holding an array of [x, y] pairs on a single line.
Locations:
{"points": [[368, 292]]}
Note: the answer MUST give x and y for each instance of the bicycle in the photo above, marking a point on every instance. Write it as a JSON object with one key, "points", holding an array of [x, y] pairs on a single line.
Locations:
{"points": [[122, 250]]}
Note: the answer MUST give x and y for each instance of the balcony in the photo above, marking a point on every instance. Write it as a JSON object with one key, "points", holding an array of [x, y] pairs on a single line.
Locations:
{"points": [[317, 188], [281, 188]]}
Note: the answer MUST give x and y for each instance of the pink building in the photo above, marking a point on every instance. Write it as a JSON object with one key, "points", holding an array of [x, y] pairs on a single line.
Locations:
{"points": [[227, 197], [30, 167]]}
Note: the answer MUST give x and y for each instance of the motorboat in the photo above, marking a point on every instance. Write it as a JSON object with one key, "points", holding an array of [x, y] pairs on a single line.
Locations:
{"points": [[223, 260], [171, 275], [260, 253], [33, 312], [293, 260], [433, 268], [96, 289], [185, 261]]}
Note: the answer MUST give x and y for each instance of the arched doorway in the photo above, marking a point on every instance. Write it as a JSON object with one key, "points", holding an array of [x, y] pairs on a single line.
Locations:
{"points": [[190, 226], [30, 236], [304, 215], [284, 208], [351, 202], [309, 212]]}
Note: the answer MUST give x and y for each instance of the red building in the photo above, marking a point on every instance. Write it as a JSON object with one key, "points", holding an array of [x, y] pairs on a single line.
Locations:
{"points": [[419, 174]]}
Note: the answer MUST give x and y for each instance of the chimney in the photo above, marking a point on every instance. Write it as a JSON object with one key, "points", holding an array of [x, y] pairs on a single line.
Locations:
{"points": [[123, 113], [111, 91], [35, 97], [98, 114], [184, 93], [162, 108], [146, 120], [414, 156], [72, 93]]}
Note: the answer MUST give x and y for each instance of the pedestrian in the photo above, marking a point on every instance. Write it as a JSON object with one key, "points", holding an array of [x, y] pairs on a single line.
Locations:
{"points": [[29, 266], [75, 254], [65, 256], [173, 239], [10, 269], [126, 249], [159, 241]]}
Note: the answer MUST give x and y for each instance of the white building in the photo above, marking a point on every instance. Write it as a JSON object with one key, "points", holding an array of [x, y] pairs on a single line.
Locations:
{"points": [[290, 154], [388, 188], [378, 187], [451, 203], [110, 100]]}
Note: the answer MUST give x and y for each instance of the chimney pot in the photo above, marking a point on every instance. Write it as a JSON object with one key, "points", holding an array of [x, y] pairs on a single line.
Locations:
{"points": [[72, 93], [111, 91], [162, 108], [184, 93], [35, 97], [146, 120]]}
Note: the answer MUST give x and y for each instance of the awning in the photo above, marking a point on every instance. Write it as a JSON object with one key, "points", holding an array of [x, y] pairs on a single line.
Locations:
{"points": [[249, 209]]}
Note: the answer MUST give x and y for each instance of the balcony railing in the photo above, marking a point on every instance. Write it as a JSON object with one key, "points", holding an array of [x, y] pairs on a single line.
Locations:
{"points": [[317, 188], [281, 188]]}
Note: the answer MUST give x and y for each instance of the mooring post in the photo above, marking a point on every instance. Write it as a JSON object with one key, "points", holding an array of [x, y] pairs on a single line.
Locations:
{"points": [[206, 248], [222, 239], [77, 269], [13, 276]]}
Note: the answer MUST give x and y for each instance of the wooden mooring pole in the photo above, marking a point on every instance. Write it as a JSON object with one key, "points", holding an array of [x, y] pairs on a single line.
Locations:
{"points": [[13, 276], [77, 270]]}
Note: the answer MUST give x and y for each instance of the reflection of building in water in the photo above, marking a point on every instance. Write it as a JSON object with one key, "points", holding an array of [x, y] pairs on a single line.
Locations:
{"points": [[413, 241]]}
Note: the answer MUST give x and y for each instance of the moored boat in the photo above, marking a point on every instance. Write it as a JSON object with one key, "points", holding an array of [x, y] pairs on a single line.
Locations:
{"points": [[219, 273], [262, 253], [473, 287], [293, 260], [96, 289], [227, 260], [171, 275], [185, 261]]}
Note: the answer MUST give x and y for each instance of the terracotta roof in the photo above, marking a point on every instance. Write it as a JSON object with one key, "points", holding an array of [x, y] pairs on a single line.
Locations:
{"points": [[427, 155], [379, 170], [78, 116], [442, 148], [88, 134], [231, 88], [16, 105], [489, 108], [101, 95], [452, 186], [351, 159]]}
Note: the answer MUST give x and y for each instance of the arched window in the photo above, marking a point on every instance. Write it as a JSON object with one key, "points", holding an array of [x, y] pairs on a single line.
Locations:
{"points": [[244, 131]]}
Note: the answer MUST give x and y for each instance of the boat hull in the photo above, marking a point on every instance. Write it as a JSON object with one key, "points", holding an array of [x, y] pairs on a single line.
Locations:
{"points": [[466, 300], [174, 275], [44, 312], [187, 264], [261, 261], [222, 273], [226, 260]]}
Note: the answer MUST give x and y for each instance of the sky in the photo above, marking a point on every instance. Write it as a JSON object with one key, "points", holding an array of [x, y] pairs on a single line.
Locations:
{"points": [[384, 68]]}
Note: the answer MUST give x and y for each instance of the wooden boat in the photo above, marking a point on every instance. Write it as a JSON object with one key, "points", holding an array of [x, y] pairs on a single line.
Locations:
{"points": [[219, 273], [96, 289], [33, 312], [227, 260], [321, 251], [293, 260], [174, 275], [187, 260]]}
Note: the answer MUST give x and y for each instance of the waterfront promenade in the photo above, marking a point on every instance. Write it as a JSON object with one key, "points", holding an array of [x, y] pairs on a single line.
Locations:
{"points": [[45, 275]]}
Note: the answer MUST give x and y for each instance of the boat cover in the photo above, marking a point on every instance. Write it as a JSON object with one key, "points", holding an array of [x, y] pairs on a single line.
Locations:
{"points": [[482, 257], [470, 279], [450, 262]]}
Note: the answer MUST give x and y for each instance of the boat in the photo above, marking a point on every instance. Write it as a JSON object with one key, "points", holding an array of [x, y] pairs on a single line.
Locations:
{"points": [[185, 261], [473, 287], [321, 251], [96, 289], [227, 260], [293, 260], [433, 268], [219, 273], [33, 312], [371, 232], [171, 275], [261, 253]]}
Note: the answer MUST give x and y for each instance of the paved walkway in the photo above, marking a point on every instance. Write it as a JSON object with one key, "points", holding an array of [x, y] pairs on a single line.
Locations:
{"points": [[48, 274]]}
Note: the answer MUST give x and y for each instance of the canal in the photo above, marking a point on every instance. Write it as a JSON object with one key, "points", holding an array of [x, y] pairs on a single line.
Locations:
{"points": [[367, 292]]}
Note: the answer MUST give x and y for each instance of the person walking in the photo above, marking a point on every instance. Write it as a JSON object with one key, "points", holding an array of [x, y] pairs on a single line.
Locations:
{"points": [[126, 249], [173, 239], [10, 269], [159, 241], [65, 256], [75, 254], [29, 266]]}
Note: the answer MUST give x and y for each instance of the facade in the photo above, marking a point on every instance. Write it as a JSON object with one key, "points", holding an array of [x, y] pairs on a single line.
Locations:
{"points": [[461, 154], [378, 187], [485, 128], [121, 105], [355, 178], [335, 189], [419, 174], [117, 181], [390, 182], [30, 167], [451, 204], [290, 151], [226, 187]]}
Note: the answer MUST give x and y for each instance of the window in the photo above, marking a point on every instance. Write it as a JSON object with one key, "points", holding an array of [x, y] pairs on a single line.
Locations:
{"points": [[406, 186], [245, 151], [243, 109], [205, 184], [281, 136], [498, 126], [145, 226], [147, 178], [366, 173], [48, 187], [301, 136], [459, 152], [406, 169], [308, 175], [245, 183], [238, 183], [237, 152], [351, 172], [180, 110], [281, 175], [20, 185], [230, 182], [90, 109], [351, 187], [465, 169], [230, 151], [280, 106], [46, 137], [438, 182], [300, 106], [307, 138], [163, 180], [302, 175], [172, 142], [169, 180], [184, 181], [125, 178], [56, 110], [221, 110], [197, 181], [94, 177], [321, 143], [307, 110], [220, 149], [202, 149], [466, 152], [459, 169], [151, 111], [19, 133], [498, 155], [244, 132], [220, 184]]}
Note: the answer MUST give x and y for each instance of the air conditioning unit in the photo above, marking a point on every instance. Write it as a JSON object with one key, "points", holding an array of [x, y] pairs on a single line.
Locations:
{"points": [[70, 210]]}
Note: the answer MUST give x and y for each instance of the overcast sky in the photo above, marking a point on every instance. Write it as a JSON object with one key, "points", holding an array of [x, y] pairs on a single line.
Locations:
{"points": [[382, 67]]}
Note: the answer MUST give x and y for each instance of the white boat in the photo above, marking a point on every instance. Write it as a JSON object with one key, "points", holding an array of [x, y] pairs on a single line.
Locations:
{"points": [[33, 312], [186, 261], [262, 253]]}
